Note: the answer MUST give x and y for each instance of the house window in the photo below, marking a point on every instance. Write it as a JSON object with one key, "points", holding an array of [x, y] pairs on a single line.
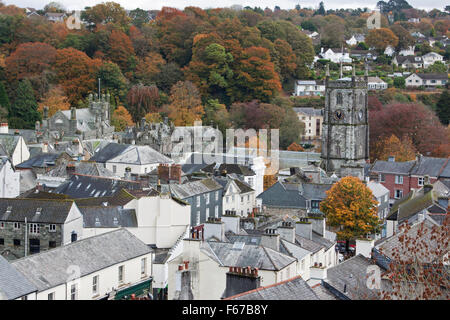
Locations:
{"points": [[198, 218], [217, 195], [398, 179], [52, 244], [73, 292], [198, 201], [143, 267], [250, 181], [95, 285], [16, 242], [248, 198], [242, 199], [51, 296], [52, 228], [232, 198], [33, 228], [216, 211], [228, 199], [207, 196], [2, 225], [2, 241], [121, 275], [16, 226], [114, 168], [207, 213], [381, 177], [420, 181], [398, 194], [24, 298]]}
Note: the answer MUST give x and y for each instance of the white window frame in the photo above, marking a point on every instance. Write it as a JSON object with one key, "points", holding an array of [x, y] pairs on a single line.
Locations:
{"points": [[198, 201], [395, 194], [381, 177], [207, 213], [143, 267], [52, 228], [420, 181], [398, 179], [217, 195], [197, 218], [73, 292], [207, 197], [2, 225], [121, 274], [95, 285], [216, 211], [16, 226], [34, 228]]}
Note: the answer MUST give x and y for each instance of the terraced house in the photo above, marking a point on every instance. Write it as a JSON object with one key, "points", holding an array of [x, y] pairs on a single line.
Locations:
{"points": [[29, 226]]}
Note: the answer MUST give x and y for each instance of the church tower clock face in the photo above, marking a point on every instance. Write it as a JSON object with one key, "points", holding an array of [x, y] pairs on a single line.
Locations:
{"points": [[339, 114]]}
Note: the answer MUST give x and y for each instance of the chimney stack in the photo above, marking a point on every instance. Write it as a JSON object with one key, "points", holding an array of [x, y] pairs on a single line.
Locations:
{"points": [[241, 279], [304, 228], [364, 247], [232, 221], [287, 231], [271, 239], [164, 172], [175, 173], [4, 127], [214, 227]]}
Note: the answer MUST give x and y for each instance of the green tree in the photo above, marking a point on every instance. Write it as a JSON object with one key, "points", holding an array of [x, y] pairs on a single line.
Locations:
{"points": [[24, 112], [139, 17], [399, 82], [321, 10], [113, 81], [443, 107], [216, 114], [437, 67]]}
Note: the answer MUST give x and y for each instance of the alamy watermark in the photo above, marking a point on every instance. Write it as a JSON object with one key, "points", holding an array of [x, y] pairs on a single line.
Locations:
{"points": [[206, 144]]}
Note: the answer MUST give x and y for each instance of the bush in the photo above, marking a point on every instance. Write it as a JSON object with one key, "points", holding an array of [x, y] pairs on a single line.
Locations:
{"points": [[399, 82]]}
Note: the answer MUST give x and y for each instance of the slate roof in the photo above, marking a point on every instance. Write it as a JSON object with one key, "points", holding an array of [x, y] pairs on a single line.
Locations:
{"points": [[120, 198], [393, 166], [291, 289], [83, 167], [433, 76], [12, 283], [129, 154], [309, 111], [325, 243], [49, 269], [51, 211], [108, 217], [42, 160], [292, 249], [392, 244], [80, 186], [225, 181], [410, 59], [190, 189], [230, 168], [283, 196], [377, 189], [352, 273], [315, 191], [429, 166], [9, 142], [308, 244], [415, 202], [322, 292], [250, 255]]}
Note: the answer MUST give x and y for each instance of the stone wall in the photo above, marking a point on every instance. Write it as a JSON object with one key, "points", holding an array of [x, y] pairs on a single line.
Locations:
{"points": [[10, 251]]}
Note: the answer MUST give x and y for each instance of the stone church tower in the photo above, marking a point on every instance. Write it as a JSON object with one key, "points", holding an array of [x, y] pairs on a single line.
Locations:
{"points": [[345, 142]]}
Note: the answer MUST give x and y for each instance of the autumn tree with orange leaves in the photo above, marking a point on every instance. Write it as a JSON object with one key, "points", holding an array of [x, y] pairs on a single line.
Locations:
{"points": [[185, 105], [55, 100], [121, 118], [350, 209], [402, 150], [381, 38]]}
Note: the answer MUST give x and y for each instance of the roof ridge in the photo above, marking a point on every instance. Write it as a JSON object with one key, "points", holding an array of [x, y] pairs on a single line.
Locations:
{"points": [[263, 287], [270, 258]]}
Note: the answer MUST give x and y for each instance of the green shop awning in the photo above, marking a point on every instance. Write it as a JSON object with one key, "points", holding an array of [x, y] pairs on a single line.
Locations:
{"points": [[139, 289]]}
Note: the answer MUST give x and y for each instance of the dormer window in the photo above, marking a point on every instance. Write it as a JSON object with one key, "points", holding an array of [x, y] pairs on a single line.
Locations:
{"points": [[38, 210]]}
